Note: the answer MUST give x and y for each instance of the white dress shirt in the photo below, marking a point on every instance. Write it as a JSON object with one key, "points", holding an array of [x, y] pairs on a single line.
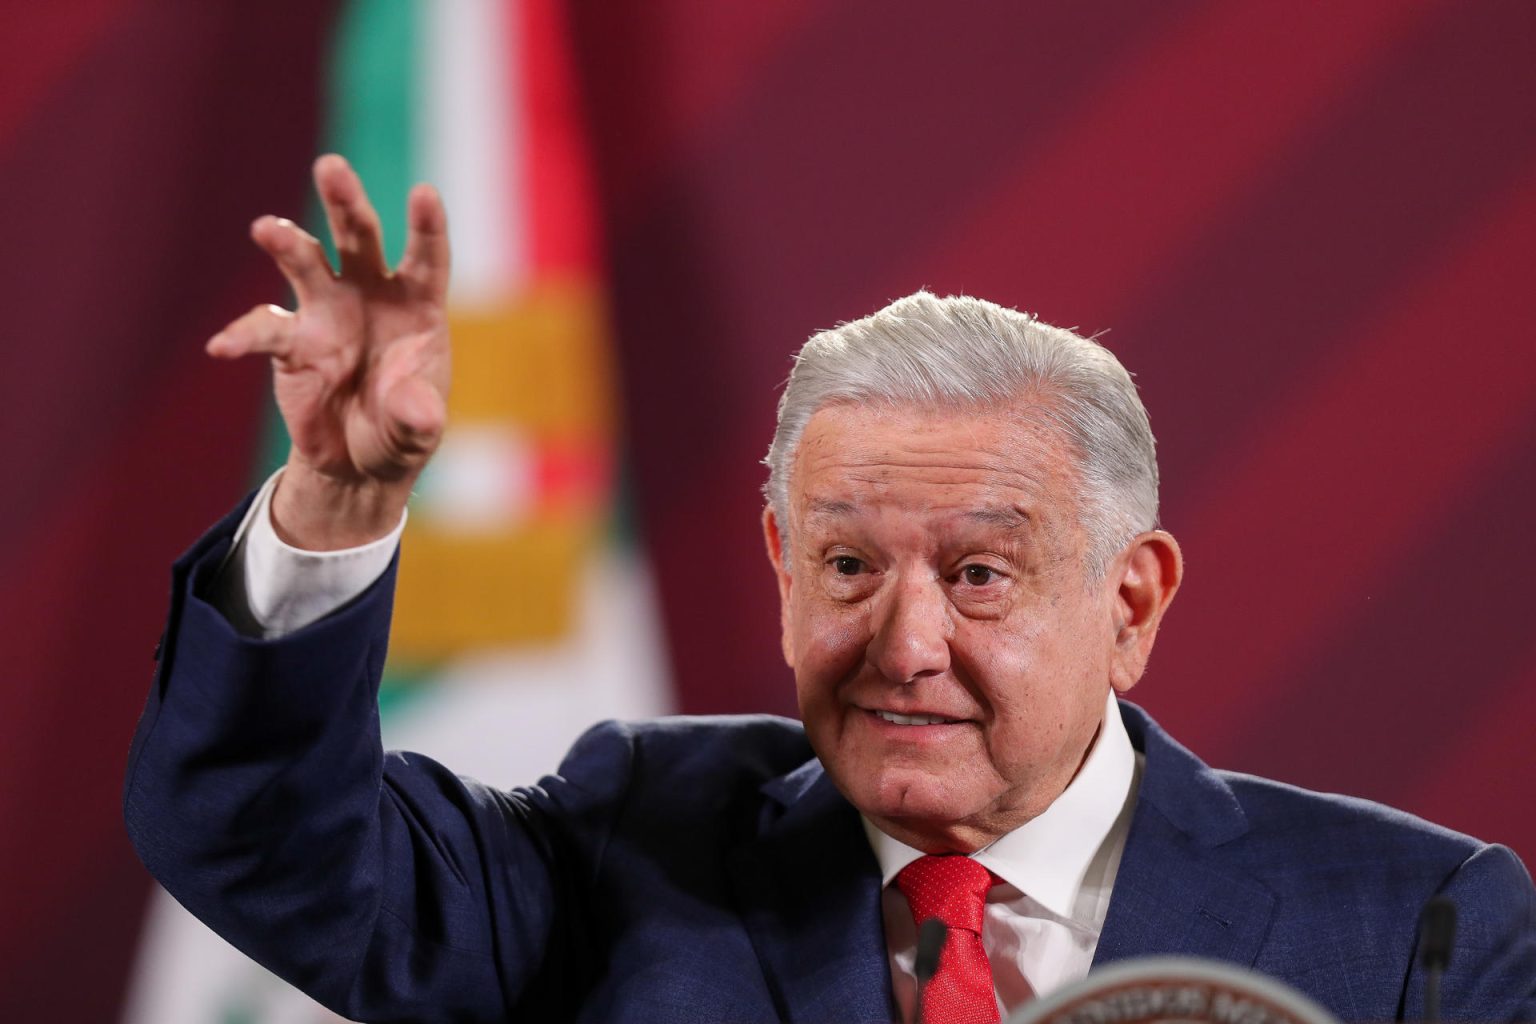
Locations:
{"points": [[1042, 924], [268, 588]]}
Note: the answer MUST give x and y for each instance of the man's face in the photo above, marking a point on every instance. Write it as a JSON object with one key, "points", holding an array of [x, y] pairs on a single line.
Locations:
{"points": [[952, 660]]}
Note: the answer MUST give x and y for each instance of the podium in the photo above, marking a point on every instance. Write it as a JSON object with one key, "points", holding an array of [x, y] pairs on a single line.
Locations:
{"points": [[1173, 990]]}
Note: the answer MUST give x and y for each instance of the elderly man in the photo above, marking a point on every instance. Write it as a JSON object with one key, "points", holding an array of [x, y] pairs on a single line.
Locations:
{"points": [[962, 521]]}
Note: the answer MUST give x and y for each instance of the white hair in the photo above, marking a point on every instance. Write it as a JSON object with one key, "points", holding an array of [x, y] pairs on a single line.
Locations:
{"points": [[963, 352]]}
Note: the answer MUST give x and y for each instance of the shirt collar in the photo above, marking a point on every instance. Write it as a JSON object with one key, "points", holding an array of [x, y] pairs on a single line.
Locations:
{"points": [[1046, 857]]}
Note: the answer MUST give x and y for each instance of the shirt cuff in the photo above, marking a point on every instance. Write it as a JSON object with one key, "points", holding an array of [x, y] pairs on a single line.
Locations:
{"points": [[268, 588]]}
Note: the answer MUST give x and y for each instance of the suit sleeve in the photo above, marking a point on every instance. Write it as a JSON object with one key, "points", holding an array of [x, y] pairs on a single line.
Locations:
{"points": [[381, 884], [1492, 973]]}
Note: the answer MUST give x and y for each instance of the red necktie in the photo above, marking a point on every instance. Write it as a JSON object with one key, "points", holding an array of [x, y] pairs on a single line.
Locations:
{"points": [[954, 890]]}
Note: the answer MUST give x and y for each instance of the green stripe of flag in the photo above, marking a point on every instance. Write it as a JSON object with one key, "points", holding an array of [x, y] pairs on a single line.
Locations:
{"points": [[373, 91]]}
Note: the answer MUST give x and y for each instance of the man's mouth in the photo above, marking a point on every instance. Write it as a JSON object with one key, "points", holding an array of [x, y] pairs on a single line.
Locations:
{"points": [[893, 717]]}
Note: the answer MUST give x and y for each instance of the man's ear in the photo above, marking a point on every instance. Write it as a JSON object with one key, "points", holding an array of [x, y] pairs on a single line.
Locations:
{"points": [[773, 536], [1146, 576]]}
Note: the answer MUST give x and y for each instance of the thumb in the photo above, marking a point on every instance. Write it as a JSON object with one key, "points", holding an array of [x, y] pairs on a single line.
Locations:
{"points": [[413, 414]]}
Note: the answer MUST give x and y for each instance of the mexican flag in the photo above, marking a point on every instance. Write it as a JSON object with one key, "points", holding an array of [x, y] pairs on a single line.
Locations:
{"points": [[523, 610]]}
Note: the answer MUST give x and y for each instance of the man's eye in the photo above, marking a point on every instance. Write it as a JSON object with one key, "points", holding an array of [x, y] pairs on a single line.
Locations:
{"points": [[847, 565], [978, 575]]}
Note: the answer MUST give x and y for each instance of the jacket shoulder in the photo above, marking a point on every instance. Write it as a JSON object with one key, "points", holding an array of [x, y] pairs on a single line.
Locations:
{"points": [[702, 762], [1349, 828], [1277, 824], [1344, 880]]}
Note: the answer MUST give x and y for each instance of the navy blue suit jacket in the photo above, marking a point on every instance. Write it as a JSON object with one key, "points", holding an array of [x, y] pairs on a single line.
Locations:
{"points": [[699, 869]]}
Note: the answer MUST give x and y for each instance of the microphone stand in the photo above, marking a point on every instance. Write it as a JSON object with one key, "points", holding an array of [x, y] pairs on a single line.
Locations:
{"points": [[930, 946], [1437, 933]]}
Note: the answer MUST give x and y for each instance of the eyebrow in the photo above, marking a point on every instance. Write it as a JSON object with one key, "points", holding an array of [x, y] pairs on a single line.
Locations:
{"points": [[825, 508], [1007, 517]]}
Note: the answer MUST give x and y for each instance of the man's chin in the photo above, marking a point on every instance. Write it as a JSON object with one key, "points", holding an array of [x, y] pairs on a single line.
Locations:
{"points": [[916, 804]]}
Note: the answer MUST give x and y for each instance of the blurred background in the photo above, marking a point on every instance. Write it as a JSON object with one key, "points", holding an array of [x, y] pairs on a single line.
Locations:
{"points": [[1307, 229]]}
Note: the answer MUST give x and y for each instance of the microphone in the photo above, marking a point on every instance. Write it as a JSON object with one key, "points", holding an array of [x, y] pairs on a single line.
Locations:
{"points": [[1437, 933], [930, 944]]}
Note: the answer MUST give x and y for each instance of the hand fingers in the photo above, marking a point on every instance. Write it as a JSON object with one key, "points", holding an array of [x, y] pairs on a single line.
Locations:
{"points": [[404, 432], [426, 246], [414, 415], [266, 329], [354, 224], [297, 253], [413, 409]]}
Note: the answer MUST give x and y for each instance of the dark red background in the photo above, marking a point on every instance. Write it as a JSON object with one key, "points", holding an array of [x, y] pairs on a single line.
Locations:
{"points": [[1307, 228]]}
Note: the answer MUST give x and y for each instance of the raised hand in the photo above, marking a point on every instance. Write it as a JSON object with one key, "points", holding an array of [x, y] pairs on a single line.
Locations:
{"points": [[360, 370]]}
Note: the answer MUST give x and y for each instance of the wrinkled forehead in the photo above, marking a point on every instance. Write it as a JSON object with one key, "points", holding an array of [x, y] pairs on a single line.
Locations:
{"points": [[1036, 410], [993, 466]]}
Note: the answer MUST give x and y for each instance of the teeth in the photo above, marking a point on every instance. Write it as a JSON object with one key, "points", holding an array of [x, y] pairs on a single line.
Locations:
{"points": [[891, 716]]}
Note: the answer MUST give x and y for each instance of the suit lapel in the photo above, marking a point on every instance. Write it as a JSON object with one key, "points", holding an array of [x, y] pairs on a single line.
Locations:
{"points": [[1176, 892], [1168, 899], [809, 890], [809, 887]]}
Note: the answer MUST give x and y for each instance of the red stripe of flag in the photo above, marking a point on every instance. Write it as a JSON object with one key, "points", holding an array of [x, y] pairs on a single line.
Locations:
{"points": [[554, 152], [571, 474]]}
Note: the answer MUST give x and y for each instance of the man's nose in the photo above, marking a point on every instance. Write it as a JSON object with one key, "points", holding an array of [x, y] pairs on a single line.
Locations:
{"points": [[912, 631]]}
